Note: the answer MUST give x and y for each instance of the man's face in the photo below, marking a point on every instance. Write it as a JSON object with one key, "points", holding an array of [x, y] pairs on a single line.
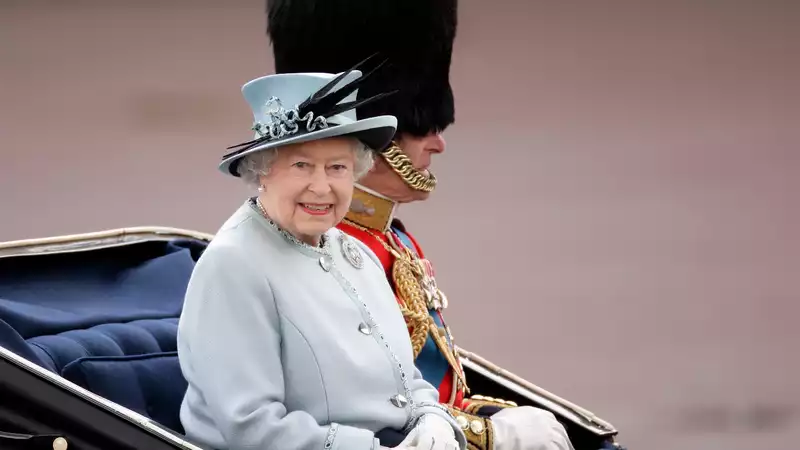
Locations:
{"points": [[420, 150]]}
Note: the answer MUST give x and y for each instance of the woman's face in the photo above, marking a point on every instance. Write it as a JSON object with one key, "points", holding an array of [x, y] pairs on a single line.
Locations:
{"points": [[309, 186]]}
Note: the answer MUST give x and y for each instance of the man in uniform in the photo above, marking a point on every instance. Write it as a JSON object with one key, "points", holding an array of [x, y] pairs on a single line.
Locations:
{"points": [[415, 39]]}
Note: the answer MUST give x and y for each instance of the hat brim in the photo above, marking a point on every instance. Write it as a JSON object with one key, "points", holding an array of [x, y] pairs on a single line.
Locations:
{"points": [[375, 132]]}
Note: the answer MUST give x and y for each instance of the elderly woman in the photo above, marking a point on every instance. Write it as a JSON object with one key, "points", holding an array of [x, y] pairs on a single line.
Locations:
{"points": [[290, 337]]}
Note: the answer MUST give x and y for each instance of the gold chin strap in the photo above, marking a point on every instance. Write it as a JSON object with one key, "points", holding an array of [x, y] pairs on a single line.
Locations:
{"points": [[401, 164]]}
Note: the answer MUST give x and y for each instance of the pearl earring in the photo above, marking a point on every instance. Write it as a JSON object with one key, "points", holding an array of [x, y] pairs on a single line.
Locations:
{"points": [[261, 189]]}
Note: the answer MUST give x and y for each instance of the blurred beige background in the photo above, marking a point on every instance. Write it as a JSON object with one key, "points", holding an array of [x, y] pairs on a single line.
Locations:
{"points": [[618, 215]]}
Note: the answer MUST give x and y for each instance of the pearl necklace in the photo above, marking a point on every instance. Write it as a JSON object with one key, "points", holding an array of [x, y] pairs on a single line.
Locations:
{"points": [[322, 248]]}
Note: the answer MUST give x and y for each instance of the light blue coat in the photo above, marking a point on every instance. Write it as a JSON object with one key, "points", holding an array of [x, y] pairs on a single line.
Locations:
{"points": [[285, 351]]}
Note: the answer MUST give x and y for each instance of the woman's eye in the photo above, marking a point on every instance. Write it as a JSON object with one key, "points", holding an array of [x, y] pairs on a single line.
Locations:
{"points": [[339, 167], [300, 164]]}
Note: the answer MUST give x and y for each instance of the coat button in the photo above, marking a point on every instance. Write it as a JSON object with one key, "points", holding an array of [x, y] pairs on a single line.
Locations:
{"points": [[364, 329], [325, 264], [399, 401]]}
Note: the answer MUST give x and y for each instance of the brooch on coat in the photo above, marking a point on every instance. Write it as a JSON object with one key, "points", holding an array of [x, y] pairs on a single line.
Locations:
{"points": [[351, 252]]}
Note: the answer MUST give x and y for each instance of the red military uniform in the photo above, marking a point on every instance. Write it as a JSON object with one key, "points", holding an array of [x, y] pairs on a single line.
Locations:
{"points": [[371, 220], [333, 35]]}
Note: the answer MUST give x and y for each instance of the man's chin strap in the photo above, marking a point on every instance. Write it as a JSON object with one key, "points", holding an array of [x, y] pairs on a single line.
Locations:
{"points": [[402, 166], [375, 211]]}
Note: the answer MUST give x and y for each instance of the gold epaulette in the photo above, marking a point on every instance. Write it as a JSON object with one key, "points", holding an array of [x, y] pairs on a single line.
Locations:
{"points": [[478, 430]]}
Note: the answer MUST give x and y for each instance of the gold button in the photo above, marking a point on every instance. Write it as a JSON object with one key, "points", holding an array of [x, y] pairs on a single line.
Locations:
{"points": [[462, 422], [476, 426]]}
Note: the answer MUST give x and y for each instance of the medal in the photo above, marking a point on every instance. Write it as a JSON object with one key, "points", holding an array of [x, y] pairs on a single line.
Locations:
{"points": [[433, 296]]}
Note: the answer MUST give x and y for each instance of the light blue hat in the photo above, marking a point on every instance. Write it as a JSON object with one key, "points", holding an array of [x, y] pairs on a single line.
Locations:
{"points": [[292, 108]]}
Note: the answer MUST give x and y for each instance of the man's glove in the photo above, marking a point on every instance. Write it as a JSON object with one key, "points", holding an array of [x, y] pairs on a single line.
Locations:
{"points": [[528, 428]]}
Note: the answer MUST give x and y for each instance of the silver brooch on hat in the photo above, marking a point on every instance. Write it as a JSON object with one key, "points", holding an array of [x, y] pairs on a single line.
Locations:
{"points": [[285, 122], [351, 252], [313, 111]]}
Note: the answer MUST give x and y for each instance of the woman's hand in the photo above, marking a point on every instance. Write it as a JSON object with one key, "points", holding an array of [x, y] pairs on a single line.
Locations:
{"points": [[432, 433]]}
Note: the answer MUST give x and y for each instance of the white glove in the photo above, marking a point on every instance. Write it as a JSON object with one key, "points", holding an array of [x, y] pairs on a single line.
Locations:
{"points": [[528, 428], [431, 433]]}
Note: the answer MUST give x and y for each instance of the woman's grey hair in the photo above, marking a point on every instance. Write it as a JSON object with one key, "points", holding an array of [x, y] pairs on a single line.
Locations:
{"points": [[254, 165]]}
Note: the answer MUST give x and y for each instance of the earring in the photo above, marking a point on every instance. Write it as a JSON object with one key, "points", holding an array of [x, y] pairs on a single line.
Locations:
{"points": [[260, 188]]}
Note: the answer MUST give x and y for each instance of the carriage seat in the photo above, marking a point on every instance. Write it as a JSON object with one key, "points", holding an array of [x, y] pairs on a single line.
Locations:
{"points": [[106, 320], [155, 381]]}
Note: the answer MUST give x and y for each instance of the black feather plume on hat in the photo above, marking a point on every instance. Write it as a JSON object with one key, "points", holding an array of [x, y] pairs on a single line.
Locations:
{"points": [[415, 36], [325, 102]]}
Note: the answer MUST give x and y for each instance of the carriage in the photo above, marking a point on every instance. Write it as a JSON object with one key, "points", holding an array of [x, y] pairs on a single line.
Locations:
{"points": [[88, 359]]}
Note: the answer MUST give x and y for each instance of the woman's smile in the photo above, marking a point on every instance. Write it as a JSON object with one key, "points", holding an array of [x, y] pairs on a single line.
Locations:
{"points": [[316, 209]]}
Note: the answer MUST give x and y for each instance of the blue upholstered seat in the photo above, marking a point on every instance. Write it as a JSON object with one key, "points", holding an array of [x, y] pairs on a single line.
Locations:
{"points": [[151, 384], [137, 337], [104, 319]]}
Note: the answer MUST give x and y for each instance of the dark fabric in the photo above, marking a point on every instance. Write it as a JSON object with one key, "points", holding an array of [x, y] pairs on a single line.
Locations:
{"points": [[151, 385], [106, 319], [111, 339], [487, 411], [109, 302], [389, 437], [11, 340]]}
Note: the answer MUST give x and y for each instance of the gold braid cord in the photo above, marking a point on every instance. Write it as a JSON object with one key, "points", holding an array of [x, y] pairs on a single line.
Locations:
{"points": [[438, 336], [413, 307], [402, 166], [478, 430], [406, 276]]}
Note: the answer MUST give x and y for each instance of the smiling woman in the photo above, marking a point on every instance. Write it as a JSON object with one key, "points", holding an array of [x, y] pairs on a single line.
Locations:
{"points": [[307, 188], [290, 336]]}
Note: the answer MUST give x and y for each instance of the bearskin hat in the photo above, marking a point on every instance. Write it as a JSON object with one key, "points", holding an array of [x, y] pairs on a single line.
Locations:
{"points": [[412, 38]]}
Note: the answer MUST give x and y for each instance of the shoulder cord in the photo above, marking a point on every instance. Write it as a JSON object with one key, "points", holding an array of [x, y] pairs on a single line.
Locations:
{"points": [[404, 271]]}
